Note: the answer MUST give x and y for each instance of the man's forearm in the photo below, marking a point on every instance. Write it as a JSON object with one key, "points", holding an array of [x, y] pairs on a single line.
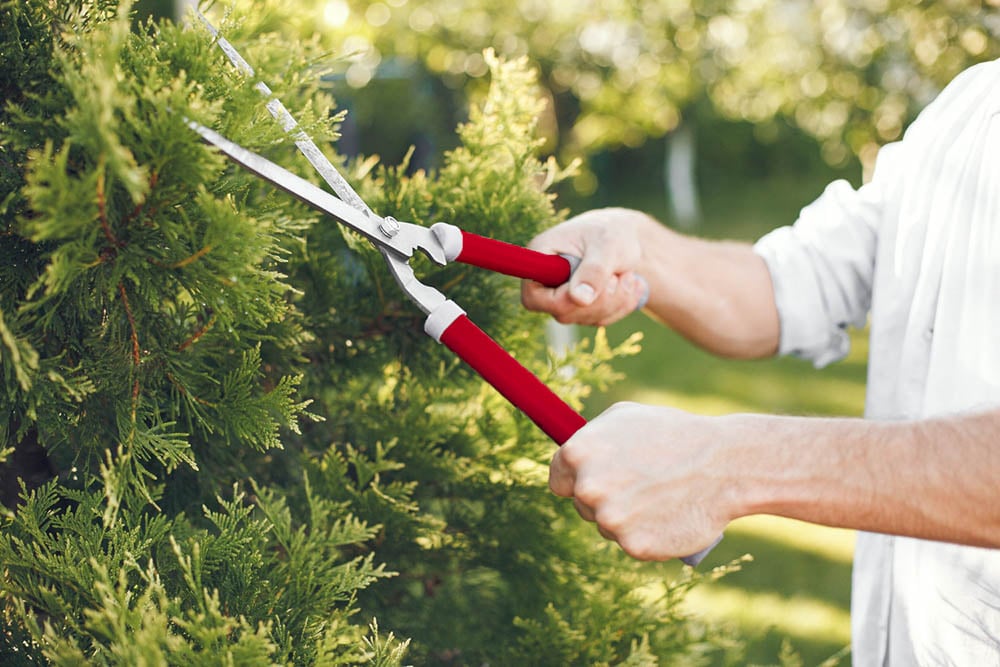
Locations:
{"points": [[664, 483], [716, 294], [936, 479]]}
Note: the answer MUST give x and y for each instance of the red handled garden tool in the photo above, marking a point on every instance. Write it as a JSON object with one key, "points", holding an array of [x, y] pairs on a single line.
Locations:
{"points": [[446, 322]]}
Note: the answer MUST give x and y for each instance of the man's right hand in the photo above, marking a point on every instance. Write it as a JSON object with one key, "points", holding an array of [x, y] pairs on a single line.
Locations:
{"points": [[607, 285]]}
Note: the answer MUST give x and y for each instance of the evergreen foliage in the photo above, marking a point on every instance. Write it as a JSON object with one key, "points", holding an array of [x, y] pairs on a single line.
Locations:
{"points": [[231, 441]]}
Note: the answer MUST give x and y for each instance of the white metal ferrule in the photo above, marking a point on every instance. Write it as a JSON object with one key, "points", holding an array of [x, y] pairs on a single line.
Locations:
{"points": [[441, 318], [450, 239]]}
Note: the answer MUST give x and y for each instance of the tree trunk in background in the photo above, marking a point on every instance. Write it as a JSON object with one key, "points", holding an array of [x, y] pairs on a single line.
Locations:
{"points": [[181, 8], [679, 177], [561, 338]]}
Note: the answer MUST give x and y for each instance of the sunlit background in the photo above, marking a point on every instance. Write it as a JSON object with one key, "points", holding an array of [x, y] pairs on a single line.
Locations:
{"points": [[723, 118], [848, 73]]}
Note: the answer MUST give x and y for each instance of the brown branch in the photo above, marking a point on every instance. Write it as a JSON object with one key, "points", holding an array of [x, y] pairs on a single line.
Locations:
{"points": [[197, 334], [131, 321], [379, 292], [453, 282], [136, 358], [184, 391], [102, 211], [192, 258], [136, 210], [184, 262], [153, 178]]}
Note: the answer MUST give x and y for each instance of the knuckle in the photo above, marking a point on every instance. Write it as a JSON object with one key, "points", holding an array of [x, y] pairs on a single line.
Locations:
{"points": [[560, 478], [598, 230], [610, 520], [589, 493], [563, 310], [540, 240], [637, 546], [577, 317], [585, 512], [617, 308], [572, 455], [528, 299], [607, 310], [594, 272], [559, 489], [598, 316]]}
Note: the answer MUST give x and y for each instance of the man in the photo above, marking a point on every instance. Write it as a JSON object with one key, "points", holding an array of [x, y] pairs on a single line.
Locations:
{"points": [[917, 248]]}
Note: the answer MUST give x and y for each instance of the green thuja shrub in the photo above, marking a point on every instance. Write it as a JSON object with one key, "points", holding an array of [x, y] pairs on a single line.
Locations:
{"points": [[226, 439]]}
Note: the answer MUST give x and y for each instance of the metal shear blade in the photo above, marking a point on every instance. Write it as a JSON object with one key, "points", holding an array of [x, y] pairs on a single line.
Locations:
{"points": [[401, 238]]}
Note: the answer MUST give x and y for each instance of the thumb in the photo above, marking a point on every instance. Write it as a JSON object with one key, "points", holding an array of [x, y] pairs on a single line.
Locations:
{"points": [[591, 277]]}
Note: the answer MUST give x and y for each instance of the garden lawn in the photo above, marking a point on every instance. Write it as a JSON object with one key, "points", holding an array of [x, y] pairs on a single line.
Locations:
{"points": [[797, 588]]}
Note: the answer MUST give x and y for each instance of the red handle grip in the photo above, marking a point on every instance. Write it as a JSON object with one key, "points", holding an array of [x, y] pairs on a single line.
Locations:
{"points": [[517, 384], [514, 260]]}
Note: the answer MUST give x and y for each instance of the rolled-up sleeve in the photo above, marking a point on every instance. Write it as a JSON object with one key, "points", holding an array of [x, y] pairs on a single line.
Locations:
{"points": [[822, 269]]}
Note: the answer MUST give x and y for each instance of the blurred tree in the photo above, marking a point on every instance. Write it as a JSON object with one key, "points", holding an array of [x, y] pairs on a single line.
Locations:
{"points": [[614, 73], [850, 72]]}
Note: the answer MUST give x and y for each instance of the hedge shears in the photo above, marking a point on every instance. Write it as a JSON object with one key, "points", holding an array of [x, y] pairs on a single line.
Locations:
{"points": [[398, 241]]}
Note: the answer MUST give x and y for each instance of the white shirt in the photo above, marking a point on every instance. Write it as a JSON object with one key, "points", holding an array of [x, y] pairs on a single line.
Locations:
{"points": [[917, 248]]}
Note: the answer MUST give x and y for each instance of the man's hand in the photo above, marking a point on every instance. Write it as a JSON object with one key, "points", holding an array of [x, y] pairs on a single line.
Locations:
{"points": [[716, 294], [604, 288], [652, 478]]}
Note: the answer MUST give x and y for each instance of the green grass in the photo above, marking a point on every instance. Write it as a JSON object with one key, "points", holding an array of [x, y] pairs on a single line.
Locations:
{"points": [[797, 588]]}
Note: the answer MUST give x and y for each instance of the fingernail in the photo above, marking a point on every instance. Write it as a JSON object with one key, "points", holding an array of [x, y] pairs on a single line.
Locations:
{"points": [[583, 293]]}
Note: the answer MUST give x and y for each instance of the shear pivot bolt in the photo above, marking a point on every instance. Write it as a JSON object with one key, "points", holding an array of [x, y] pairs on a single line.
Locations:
{"points": [[389, 226]]}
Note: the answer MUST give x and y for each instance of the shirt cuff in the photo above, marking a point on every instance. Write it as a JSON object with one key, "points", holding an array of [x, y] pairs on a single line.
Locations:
{"points": [[805, 330]]}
